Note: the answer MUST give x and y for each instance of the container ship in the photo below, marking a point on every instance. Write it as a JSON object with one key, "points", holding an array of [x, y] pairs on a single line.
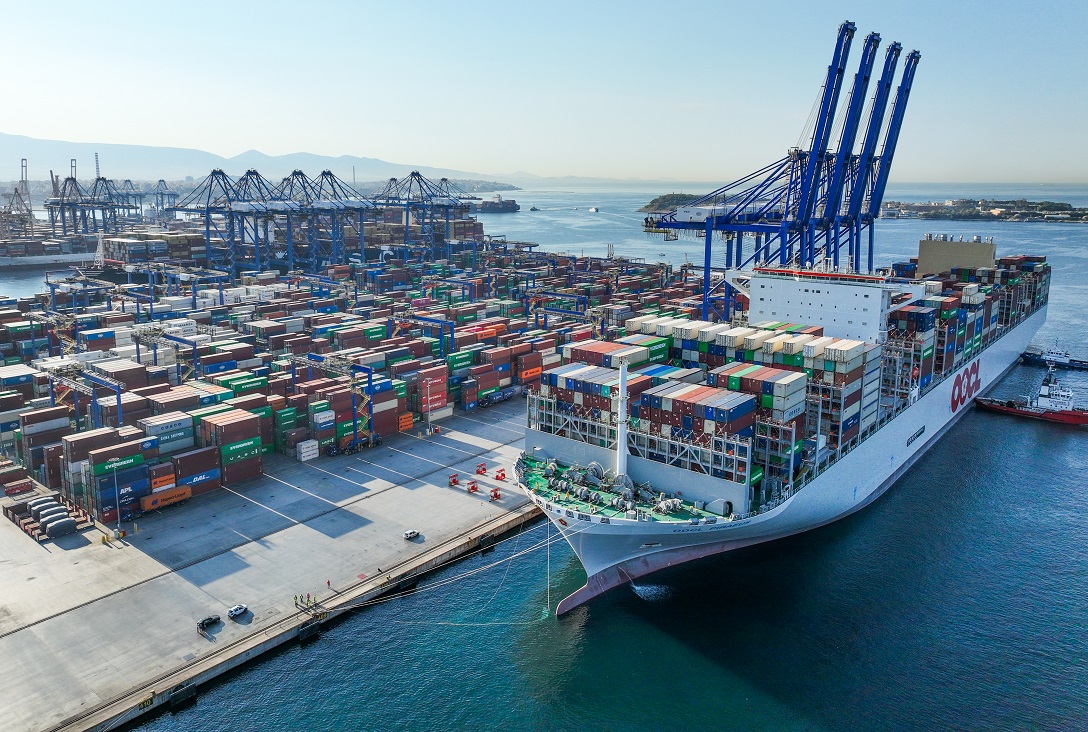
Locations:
{"points": [[764, 429], [16, 253], [497, 204]]}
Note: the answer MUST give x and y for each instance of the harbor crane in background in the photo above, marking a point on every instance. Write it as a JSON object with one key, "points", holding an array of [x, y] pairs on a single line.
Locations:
{"points": [[814, 207], [427, 204], [251, 223]]}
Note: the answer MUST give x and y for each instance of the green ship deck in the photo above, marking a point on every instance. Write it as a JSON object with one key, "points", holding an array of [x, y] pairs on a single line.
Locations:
{"points": [[534, 479]]}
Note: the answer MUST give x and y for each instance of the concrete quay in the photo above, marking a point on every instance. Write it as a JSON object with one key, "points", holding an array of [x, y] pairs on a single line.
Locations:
{"points": [[95, 635]]}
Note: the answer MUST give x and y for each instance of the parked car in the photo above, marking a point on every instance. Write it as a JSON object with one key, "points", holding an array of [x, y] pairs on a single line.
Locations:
{"points": [[411, 534], [237, 611], [205, 623]]}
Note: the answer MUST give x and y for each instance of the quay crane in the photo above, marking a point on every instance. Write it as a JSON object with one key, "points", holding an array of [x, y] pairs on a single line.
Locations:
{"points": [[811, 208]]}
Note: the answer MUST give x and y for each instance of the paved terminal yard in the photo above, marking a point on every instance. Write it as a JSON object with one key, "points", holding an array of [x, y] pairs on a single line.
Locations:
{"points": [[87, 629]]}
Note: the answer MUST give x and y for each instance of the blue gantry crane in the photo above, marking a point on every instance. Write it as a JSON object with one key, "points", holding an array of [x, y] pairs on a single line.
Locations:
{"points": [[429, 205], [301, 222], [813, 207]]}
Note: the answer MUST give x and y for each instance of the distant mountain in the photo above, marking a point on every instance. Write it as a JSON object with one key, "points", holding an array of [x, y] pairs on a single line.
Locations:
{"points": [[145, 162]]}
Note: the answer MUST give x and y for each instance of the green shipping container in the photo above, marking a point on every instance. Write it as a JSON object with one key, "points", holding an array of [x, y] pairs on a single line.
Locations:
{"points": [[240, 446], [249, 452], [734, 379], [262, 411], [766, 401], [343, 429], [128, 462], [927, 352], [321, 406], [459, 360]]}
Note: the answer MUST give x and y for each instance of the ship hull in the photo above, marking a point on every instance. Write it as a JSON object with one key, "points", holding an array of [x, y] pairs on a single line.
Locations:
{"points": [[619, 551], [44, 260]]}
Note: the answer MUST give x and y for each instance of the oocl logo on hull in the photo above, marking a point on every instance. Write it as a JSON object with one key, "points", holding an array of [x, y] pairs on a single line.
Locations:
{"points": [[967, 384]]}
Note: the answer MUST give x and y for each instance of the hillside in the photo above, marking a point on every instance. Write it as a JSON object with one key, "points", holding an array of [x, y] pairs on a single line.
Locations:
{"points": [[668, 202]]}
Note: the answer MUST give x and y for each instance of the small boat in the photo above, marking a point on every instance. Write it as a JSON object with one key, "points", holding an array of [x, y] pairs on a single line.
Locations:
{"points": [[1055, 357], [1053, 404], [533, 208], [593, 210]]}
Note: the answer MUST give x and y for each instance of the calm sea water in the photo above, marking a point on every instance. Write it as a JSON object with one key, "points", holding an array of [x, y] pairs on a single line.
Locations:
{"points": [[959, 600]]}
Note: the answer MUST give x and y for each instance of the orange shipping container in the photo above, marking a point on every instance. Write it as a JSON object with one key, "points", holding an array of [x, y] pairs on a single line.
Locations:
{"points": [[162, 481], [166, 498], [532, 373]]}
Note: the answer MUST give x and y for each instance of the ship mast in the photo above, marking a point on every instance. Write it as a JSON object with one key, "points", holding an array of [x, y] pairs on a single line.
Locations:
{"points": [[621, 426]]}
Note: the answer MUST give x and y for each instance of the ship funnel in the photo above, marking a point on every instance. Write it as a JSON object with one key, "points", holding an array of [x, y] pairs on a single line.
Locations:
{"points": [[621, 425]]}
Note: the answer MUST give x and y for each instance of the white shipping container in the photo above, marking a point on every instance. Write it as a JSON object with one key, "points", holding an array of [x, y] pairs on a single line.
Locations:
{"points": [[326, 417], [785, 415], [756, 340], [443, 413], [792, 384], [796, 344], [690, 329], [650, 326], [710, 333], [734, 337], [775, 343], [845, 367], [385, 406], [665, 329], [52, 424], [844, 350]]}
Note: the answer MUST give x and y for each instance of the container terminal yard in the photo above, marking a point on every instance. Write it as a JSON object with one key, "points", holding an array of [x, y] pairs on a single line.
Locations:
{"points": [[182, 432]]}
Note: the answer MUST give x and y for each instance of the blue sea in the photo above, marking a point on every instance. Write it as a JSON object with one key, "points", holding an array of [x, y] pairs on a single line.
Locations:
{"points": [[958, 601]]}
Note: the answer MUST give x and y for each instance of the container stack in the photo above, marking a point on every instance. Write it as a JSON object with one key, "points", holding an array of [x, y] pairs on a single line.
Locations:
{"points": [[679, 409], [117, 478], [198, 469], [173, 429], [75, 453], [779, 393], [40, 429], [237, 435], [306, 450]]}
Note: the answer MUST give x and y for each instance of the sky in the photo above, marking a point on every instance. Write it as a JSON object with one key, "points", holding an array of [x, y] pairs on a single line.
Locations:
{"points": [[699, 91]]}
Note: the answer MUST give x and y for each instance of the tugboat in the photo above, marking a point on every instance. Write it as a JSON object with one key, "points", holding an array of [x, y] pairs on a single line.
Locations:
{"points": [[1053, 404], [1055, 357]]}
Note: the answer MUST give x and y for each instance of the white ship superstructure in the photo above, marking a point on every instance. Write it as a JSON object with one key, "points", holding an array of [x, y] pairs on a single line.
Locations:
{"points": [[888, 366]]}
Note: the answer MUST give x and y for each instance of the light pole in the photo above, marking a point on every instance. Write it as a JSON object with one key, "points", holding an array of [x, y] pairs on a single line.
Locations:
{"points": [[117, 498]]}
